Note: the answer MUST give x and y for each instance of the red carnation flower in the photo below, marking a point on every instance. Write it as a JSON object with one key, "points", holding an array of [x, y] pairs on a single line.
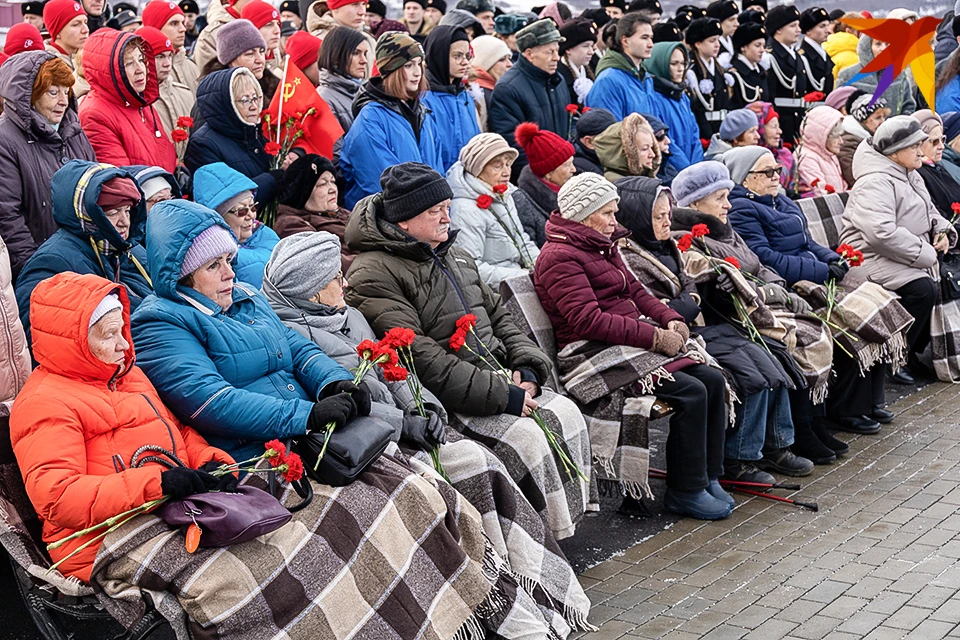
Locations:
{"points": [[179, 135], [185, 121], [572, 108], [700, 230], [394, 373], [458, 339], [466, 322], [830, 188], [685, 242], [399, 337], [788, 146], [956, 207], [294, 468], [814, 96], [366, 349], [732, 261], [704, 143], [271, 148], [384, 355], [815, 182], [484, 201], [500, 189]]}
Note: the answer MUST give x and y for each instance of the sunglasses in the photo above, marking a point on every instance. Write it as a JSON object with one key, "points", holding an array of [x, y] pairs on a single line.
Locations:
{"points": [[770, 173]]}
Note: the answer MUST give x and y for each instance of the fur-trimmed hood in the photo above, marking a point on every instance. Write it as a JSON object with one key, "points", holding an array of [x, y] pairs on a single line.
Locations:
{"points": [[617, 148]]}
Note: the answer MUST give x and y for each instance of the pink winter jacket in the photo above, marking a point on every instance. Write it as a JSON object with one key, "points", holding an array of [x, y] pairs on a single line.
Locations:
{"points": [[15, 361], [817, 167]]}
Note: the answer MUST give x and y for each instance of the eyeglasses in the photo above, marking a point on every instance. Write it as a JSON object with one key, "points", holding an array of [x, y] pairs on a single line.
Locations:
{"points": [[246, 101], [937, 142], [244, 211], [770, 173], [460, 57]]}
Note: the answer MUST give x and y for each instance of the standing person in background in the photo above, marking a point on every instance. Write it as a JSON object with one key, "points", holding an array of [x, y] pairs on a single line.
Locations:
{"points": [[491, 59], [95, 10], [705, 78], [899, 94], [670, 104], [304, 52], [290, 12], [376, 13], [266, 19], [23, 37], [727, 14], [32, 13], [417, 22], [343, 65], [817, 65], [67, 25], [435, 10], [169, 18], [483, 10], [219, 13], [841, 45], [506, 27], [786, 78], [176, 99], [614, 8], [191, 11], [342, 13], [576, 50], [622, 86], [747, 68]]}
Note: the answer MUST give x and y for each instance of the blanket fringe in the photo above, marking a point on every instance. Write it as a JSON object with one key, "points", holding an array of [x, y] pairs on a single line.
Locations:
{"points": [[649, 383], [818, 393], [472, 629], [576, 619], [612, 487]]}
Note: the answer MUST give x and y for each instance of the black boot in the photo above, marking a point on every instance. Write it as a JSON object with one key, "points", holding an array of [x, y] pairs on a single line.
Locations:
{"points": [[823, 434], [786, 462], [808, 445]]}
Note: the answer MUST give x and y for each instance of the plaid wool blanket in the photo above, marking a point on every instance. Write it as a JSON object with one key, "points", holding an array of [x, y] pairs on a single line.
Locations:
{"points": [[516, 531], [945, 335], [394, 555]]}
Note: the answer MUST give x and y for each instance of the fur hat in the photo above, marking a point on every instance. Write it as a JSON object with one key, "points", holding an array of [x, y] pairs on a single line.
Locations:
{"points": [[722, 9], [542, 31], [896, 133], [700, 180], [746, 33], [585, 194], [701, 29], [577, 32], [838, 97], [779, 17], [666, 32], [812, 17]]}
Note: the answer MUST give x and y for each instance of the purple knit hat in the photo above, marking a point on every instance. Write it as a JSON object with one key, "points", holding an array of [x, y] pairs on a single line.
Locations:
{"points": [[236, 37], [838, 97], [210, 243]]}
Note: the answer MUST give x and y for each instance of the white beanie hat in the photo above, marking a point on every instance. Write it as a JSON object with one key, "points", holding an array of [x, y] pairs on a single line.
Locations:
{"points": [[585, 194], [487, 50], [110, 302], [153, 186]]}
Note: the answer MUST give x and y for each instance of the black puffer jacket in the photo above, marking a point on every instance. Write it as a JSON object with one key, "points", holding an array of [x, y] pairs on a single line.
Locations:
{"points": [[397, 281], [535, 202]]}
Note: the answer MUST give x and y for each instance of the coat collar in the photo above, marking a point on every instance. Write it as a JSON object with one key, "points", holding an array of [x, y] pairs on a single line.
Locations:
{"points": [[684, 218], [581, 236]]}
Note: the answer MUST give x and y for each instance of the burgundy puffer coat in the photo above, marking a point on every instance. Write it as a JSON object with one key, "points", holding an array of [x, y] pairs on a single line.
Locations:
{"points": [[587, 291]]}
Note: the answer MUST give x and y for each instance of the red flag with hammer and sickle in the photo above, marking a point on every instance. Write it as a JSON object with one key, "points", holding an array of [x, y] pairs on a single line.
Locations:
{"points": [[301, 102]]}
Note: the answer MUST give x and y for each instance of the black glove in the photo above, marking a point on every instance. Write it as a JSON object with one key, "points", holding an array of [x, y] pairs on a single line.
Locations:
{"points": [[337, 409], [726, 284], [838, 269], [425, 433], [225, 483], [360, 394], [180, 482], [685, 305]]}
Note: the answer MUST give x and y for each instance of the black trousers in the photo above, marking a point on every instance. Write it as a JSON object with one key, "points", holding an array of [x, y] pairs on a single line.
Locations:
{"points": [[918, 297], [850, 393], [697, 425]]}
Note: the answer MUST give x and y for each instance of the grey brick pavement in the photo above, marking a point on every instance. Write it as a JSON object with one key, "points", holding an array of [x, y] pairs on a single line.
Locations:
{"points": [[880, 560]]}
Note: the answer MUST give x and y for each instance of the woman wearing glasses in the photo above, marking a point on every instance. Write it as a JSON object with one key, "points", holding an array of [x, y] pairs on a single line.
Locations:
{"points": [[231, 194], [817, 163], [448, 65], [230, 102], [943, 187]]}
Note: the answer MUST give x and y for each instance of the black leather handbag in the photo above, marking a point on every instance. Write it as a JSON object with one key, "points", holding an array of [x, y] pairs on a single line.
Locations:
{"points": [[950, 276], [352, 448]]}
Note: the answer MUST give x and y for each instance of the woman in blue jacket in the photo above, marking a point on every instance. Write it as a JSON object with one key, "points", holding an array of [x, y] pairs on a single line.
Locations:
{"points": [[232, 194], [392, 124], [667, 65], [453, 112]]}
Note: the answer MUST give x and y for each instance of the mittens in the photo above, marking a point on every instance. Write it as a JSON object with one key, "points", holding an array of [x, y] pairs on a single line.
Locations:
{"points": [[667, 342], [681, 328]]}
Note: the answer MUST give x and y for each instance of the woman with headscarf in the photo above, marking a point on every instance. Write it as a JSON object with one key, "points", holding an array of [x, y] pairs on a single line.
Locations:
{"points": [[671, 104], [943, 188]]}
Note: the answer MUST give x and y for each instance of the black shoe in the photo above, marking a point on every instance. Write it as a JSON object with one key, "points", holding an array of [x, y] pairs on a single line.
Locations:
{"points": [[634, 508], [786, 462], [881, 415], [745, 471], [903, 376], [860, 425], [840, 448], [806, 443]]}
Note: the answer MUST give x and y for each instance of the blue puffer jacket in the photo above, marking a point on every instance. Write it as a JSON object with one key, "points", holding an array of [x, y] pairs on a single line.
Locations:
{"points": [[71, 248], [455, 118], [774, 228], [224, 137], [213, 185], [620, 88], [684, 134], [948, 98], [382, 136], [240, 376]]}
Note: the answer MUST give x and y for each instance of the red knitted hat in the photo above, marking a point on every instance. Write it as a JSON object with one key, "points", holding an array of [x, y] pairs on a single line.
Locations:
{"points": [[23, 37], [157, 12], [336, 4], [259, 13], [3, 58], [545, 150], [303, 49], [58, 13], [158, 41]]}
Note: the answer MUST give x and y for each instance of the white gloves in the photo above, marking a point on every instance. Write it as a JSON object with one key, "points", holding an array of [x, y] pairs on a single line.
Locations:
{"points": [[765, 60]]}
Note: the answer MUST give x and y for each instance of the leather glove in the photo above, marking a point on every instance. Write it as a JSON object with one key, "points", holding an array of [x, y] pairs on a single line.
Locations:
{"points": [[360, 394], [838, 269], [425, 433], [225, 483], [667, 342], [679, 327], [774, 294], [337, 409], [180, 482], [799, 305], [726, 284]]}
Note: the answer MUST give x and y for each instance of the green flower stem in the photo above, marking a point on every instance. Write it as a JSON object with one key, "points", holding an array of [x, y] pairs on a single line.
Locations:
{"points": [[359, 374]]}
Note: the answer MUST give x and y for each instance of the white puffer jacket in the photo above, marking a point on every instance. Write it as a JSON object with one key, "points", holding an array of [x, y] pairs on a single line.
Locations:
{"points": [[15, 364]]}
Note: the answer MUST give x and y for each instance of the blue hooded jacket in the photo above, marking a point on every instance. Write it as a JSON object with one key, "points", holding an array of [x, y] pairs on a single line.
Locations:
{"points": [[775, 229], [382, 136], [670, 103], [213, 185], [620, 88], [92, 245], [224, 137], [240, 376]]}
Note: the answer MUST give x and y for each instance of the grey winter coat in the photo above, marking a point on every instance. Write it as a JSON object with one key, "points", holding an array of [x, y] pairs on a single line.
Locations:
{"points": [[31, 151], [890, 217], [716, 148], [338, 92], [899, 95], [493, 237]]}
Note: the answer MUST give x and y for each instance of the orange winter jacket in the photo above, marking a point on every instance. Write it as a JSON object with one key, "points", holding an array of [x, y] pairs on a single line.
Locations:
{"points": [[77, 422]]}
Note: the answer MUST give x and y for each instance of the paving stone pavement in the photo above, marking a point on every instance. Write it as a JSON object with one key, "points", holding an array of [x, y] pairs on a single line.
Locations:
{"points": [[880, 560]]}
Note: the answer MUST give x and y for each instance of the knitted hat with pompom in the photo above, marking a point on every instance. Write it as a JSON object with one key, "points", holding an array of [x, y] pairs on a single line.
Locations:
{"points": [[545, 150]]}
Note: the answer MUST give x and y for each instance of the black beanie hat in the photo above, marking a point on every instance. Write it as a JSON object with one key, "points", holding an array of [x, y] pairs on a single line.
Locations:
{"points": [[594, 122], [747, 33], [618, 4], [650, 6], [666, 32], [755, 3], [836, 14], [577, 32], [701, 29], [722, 9], [411, 188], [300, 178], [812, 17], [779, 17]]}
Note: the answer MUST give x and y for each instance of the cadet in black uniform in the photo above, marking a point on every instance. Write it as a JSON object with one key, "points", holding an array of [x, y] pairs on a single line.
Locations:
{"points": [[786, 78], [614, 8], [726, 12], [817, 65], [709, 92], [750, 76]]}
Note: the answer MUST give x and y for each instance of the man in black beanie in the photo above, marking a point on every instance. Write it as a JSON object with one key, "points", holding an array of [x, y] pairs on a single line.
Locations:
{"points": [[750, 66], [817, 65], [33, 14], [786, 78], [727, 13]]}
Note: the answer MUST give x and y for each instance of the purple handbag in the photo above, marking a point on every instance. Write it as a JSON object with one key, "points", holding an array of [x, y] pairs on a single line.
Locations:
{"points": [[227, 519]]}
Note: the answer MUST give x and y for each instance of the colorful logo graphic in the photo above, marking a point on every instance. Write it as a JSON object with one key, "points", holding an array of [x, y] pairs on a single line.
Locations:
{"points": [[909, 44]]}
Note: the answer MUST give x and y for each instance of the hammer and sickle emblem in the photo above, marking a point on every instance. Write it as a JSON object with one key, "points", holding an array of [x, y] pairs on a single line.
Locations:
{"points": [[289, 88]]}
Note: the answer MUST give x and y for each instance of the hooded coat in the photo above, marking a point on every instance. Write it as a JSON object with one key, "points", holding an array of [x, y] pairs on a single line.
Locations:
{"points": [[617, 149], [122, 125], [31, 151], [589, 294], [453, 111], [774, 228], [899, 95], [238, 376], [142, 173], [493, 237], [842, 49], [943, 188], [78, 421], [386, 132], [87, 242], [339, 93], [853, 135], [225, 137], [671, 104], [397, 281], [816, 166], [205, 49], [621, 88], [890, 217]]}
